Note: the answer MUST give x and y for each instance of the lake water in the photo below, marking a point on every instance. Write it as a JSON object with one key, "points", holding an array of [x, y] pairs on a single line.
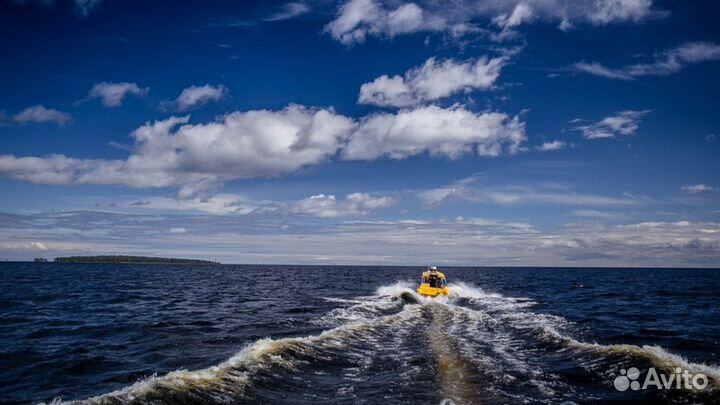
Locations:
{"points": [[175, 334]]}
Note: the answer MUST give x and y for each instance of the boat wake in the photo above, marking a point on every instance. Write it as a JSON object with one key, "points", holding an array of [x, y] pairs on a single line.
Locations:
{"points": [[396, 346]]}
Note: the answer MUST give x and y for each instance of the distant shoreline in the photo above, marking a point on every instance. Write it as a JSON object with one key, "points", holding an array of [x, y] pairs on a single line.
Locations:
{"points": [[121, 259]]}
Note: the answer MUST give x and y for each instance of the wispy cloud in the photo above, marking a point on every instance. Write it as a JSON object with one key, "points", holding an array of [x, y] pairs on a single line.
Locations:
{"points": [[85, 7], [327, 206], [288, 11], [113, 94], [40, 114], [623, 123], [319, 205], [665, 64], [82, 7], [697, 188], [473, 189], [550, 146], [196, 96]]}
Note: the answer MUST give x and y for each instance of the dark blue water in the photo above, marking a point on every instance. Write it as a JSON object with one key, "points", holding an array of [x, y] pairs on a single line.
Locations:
{"points": [[350, 335]]}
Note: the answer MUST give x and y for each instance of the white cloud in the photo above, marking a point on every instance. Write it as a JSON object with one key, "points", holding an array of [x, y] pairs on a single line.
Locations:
{"points": [[39, 114], [550, 146], [320, 205], [195, 96], [288, 11], [113, 94], [622, 123], [405, 241], [522, 13], [432, 81], [327, 206], [357, 19], [665, 64], [199, 158], [697, 188], [473, 189], [450, 132], [712, 138], [178, 230], [36, 246], [596, 214]]}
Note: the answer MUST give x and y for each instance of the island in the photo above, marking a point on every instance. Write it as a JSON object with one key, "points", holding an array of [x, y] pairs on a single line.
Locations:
{"points": [[129, 259]]}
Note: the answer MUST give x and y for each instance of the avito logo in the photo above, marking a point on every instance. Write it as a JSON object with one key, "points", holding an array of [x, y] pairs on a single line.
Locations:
{"points": [[680, 379]]}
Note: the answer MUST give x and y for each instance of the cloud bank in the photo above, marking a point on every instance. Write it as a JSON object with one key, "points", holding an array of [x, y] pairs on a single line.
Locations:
{"points": [[458, 241], [198, 158]]}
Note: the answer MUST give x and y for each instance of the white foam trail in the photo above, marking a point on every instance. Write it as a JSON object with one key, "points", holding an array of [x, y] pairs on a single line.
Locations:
{"points": [[228, 380], [506, 309], [396, 289]]}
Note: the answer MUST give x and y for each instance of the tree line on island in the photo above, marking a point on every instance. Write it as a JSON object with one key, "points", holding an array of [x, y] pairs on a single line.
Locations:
{"points": [[124, 259]]}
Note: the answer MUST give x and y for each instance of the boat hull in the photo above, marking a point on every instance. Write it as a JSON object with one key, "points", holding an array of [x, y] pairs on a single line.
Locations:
{"points": [[428, 291]]}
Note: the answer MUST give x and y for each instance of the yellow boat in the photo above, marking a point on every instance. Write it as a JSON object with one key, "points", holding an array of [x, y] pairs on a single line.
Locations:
{"points": [[433, 283]]}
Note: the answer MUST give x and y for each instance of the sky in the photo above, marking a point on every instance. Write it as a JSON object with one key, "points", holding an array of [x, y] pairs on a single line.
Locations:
{"points": [[485, 133]]}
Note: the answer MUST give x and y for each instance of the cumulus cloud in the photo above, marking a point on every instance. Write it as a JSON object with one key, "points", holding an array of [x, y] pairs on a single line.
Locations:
{"points": [[432, 81], [40, 114], [327, 206], [668, 62], [195, 96], [550, 146], [358, 19], [199, 158], [697, 188], [178, 230], [450, 132], [622, 123], [113, 94]]}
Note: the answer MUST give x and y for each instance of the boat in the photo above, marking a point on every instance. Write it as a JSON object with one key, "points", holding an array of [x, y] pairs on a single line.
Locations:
{"points": [[433, 283]]}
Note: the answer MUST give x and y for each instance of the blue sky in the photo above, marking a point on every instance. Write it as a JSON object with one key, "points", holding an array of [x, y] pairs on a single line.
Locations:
{"points": [[521, 132]]}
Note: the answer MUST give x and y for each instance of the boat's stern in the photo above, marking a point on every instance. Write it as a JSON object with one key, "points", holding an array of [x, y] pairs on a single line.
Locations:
{"points": [[426, 290], [433, 283]]}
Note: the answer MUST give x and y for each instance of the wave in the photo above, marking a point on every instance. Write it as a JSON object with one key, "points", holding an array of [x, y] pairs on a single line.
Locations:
{"points": [[228, 381], [475, 343], [510, 310]]}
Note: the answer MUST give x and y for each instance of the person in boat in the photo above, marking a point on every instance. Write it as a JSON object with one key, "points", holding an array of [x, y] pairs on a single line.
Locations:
{"points": [[433, 283]]}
